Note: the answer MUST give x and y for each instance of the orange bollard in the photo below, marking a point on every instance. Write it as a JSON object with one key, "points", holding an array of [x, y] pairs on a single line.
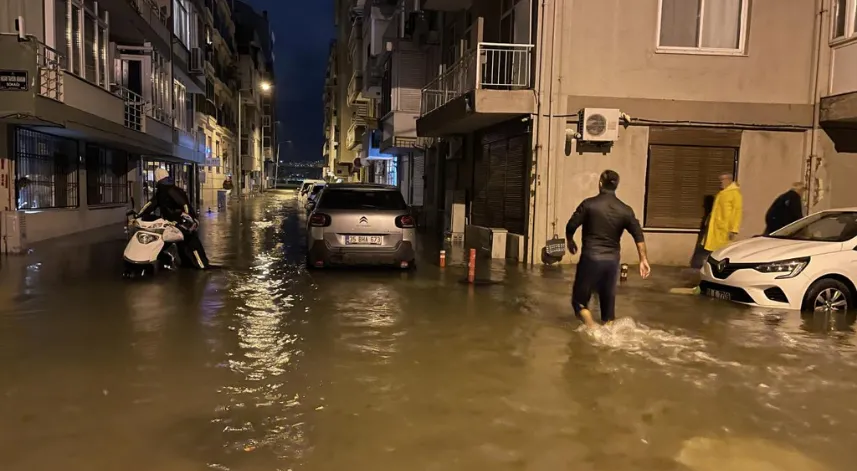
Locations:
{"points": [[443, 258], [471, 267]]}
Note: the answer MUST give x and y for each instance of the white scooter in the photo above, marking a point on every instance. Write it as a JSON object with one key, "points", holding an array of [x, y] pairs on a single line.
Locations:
{"points": [[151, 246]]}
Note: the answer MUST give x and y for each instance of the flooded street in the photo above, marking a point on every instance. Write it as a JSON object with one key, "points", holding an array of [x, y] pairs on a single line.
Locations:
{"points": [[262, 365]]}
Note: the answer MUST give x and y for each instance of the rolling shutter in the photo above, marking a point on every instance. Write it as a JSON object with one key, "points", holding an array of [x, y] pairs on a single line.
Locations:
{"points": [[500, 178], [679, 178], [410, 78]]}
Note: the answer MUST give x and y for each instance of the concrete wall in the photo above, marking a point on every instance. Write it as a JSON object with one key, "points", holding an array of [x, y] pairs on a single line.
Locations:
{"points": [[768, 163], [609, 48], [53, 223]]}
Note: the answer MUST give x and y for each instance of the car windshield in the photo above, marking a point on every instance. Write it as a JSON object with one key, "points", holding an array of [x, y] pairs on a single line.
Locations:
{"points": [[833, 226], [306, 187], [316, 189], [385, 200]]}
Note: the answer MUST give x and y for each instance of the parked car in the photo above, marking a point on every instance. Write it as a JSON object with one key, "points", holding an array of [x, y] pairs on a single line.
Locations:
{"points": [[360, 224], [305, 189], [809, 265]]}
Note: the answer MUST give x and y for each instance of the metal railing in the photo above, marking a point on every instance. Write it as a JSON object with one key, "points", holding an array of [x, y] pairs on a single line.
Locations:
{"points": [[495, 66], [50, 64], [134, 108], [149, 9]]}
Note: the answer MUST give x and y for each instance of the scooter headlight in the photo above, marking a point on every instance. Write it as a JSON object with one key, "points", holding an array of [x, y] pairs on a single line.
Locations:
{"points": [[788, 268], [144, 238]]}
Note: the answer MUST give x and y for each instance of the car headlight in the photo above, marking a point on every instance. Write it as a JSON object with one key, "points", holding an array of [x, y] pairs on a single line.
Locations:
{"points": [[144, 238], [790, 268]]}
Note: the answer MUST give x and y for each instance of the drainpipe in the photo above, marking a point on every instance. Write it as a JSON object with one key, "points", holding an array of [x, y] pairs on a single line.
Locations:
{"points": [[537, 129], [813, 158], [551, 200]]}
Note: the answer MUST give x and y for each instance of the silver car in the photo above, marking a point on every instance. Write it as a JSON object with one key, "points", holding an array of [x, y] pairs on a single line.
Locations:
{"points": [[360, 224]]}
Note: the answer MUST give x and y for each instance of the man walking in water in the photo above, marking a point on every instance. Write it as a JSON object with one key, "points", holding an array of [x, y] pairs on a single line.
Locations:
{"points": [[604, 219]]}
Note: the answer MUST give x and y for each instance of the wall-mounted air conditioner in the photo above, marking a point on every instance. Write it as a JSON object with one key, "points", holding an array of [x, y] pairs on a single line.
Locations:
{"points": [[599, 124]]}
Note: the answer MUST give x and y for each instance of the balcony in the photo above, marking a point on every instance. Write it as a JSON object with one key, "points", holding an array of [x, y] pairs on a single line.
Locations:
{"points": [[139, 21], [355, 90], [488, 85], [354, 136], [838, 114]]}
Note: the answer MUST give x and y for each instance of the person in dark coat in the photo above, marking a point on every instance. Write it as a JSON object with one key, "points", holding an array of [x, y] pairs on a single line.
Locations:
{"points": [[786, 209], [700, 255]]}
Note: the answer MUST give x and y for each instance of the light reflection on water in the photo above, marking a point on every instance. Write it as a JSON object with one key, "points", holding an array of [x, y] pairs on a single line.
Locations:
{"points": [[265, 366]]}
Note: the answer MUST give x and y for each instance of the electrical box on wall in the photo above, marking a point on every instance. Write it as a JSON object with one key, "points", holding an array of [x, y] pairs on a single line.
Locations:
{"points": [[599, 125]]}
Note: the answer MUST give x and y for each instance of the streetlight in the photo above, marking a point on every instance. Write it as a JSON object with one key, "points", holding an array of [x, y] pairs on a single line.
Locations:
{"points": [[265, 86]]}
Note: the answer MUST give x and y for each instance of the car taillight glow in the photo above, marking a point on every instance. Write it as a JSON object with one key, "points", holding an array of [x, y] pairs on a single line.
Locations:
{"points": [[405, 222], [319, 220]]}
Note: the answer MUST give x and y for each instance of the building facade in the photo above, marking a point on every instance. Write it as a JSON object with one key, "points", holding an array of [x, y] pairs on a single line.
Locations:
{"points": [[96, 95], [524, 103]]}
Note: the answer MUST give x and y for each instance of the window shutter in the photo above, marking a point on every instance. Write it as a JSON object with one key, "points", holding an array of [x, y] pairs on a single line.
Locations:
{"points": [[679, 179]]}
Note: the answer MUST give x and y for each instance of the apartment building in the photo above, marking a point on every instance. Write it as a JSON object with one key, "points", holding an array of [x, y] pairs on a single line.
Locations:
{"points": [[216, 110], [256, 96], [523, 104], [332, 170], [93, 95]]}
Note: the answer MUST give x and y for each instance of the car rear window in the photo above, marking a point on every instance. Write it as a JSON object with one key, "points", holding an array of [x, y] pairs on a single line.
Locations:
{"points": [[387, 200]]}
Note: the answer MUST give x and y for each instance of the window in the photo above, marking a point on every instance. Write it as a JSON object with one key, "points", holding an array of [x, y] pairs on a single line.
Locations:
{"points": [[82, 36], [181, 21], [46, 170], [391, 200], [832, 226], [161, 84], [707, 26], [844, 19], [180, 115], [679, 179], [106, 176]]}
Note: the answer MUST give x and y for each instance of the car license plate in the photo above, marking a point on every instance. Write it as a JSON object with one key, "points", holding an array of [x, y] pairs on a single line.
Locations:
{"points": [[717, 294], [363, 240]]}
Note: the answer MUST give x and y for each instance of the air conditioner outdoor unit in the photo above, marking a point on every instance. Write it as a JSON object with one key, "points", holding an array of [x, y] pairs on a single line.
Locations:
{"points": [[13, 232], [197, 60], [599, 124]]}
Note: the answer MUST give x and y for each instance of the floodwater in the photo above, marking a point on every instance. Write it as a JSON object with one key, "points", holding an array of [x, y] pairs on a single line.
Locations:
{"points": [[262, 365]]}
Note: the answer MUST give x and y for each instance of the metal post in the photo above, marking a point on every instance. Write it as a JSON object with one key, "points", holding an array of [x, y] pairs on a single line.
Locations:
{"points": [[471, 267], [240, 169]]}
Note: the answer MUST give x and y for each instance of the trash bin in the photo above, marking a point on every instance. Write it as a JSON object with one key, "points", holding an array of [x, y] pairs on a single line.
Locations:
{"points": [[222, 198]]}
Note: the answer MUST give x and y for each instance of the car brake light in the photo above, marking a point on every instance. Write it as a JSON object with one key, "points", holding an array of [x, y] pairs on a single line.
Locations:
{"points": [[319, 220], [405, 222]]}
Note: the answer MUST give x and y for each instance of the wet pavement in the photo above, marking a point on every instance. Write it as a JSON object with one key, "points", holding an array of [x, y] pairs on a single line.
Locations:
{"points": [[262, 365]]}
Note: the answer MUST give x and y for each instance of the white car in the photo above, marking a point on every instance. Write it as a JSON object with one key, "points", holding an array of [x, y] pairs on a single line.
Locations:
{"points": [[808, 265]]}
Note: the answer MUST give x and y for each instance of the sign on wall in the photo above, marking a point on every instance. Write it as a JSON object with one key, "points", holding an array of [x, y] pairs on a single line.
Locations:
{"points": [[14, 80]]}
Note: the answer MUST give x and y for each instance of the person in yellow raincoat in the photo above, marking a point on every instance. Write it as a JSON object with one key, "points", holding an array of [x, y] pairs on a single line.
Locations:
{"points": [[725, 219]]}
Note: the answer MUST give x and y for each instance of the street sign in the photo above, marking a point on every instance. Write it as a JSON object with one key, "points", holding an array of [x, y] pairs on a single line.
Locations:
{"points": [[14, 80]]}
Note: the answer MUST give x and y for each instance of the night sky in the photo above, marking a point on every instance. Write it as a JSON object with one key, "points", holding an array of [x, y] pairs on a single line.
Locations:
{"points": [[302, 32]]}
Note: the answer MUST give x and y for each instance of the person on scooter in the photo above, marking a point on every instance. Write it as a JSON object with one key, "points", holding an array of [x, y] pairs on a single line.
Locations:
{"points": [[175, 206]]}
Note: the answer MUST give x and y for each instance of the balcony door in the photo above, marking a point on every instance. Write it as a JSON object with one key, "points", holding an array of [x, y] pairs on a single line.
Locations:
{"points": [[506, 66]]}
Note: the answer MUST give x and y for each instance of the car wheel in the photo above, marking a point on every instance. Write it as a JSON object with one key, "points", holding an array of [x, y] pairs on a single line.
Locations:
{"points": [[829, 294]]}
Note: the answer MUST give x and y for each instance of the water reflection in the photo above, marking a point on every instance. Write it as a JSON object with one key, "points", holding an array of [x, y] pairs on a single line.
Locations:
{"points": [[265, 366]]}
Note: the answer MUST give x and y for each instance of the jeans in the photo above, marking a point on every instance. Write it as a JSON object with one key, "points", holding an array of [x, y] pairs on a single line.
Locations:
{"points": [[600, 276]]}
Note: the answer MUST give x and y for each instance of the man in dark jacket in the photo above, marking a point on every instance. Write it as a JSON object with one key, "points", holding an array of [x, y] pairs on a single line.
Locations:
{"points": [[786, 209], [175, 206], [604, 219]]}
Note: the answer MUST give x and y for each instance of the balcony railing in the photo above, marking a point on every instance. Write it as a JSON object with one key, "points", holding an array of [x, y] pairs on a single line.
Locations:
{"points": [[50, 64], [355, 89], [149, 10], [354, 136], [494, 66], [134, 108]]}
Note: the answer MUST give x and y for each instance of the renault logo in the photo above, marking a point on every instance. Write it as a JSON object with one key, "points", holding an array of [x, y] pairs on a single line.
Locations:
{"points": [[721, 265], [364, 220]]}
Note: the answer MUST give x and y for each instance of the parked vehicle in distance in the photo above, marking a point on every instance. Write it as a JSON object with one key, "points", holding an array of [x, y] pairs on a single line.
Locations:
{"points": [[360, 224], [291, 184], [810, 265], [306, 188]]}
